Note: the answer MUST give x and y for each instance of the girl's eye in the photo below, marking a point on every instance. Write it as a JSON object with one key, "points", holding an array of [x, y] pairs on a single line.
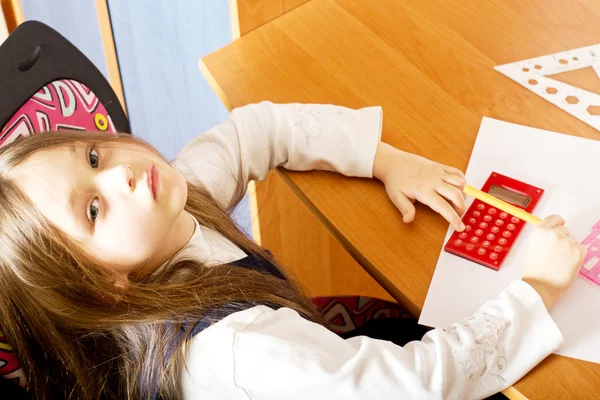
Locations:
{"points": [[93, 211], [93, 157]]}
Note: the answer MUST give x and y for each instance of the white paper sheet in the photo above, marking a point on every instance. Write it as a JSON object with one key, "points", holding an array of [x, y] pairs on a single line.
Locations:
{"points": [[568, 168]]}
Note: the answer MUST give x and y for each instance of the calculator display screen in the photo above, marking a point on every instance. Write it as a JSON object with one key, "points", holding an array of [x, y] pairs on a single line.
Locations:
{"points": [[510, 196]]}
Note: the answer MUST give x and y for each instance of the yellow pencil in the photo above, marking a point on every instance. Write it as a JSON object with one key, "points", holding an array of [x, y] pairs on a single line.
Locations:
{"points": [[495, 202]]}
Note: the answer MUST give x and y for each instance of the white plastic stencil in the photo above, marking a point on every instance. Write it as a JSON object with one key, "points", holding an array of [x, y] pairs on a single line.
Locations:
{"points": [[533, 74]]}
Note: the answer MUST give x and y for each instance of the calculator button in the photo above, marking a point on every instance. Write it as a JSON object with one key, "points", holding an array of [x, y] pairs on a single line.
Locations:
{"points": [[487, 218], [468, 228], [486, 244], [480, 207], [490, 236], [483, 225], [495, 229], [492, 211], [458, 242], [472, 221], [481, 251], [479, 232], [502, 241], [498, 249], [494, 256], [511, 227], [503, 215], [476, 214], [515, 220], [462, 235], [499, 222], [474, 239], [506, 234], [469, 246]]}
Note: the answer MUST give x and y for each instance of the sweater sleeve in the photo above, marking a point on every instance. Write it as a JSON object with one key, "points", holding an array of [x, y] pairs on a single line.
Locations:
{"points": [[277, 354], [300, 137]]}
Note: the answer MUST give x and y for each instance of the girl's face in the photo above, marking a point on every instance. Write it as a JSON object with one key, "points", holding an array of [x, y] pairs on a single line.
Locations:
{"points": [[123, 204]]}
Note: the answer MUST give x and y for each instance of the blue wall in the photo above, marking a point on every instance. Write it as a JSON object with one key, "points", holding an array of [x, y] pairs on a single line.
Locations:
{"points": [[168, 100]]}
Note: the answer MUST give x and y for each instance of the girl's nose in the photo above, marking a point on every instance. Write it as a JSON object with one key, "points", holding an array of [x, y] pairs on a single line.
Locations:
{"points": [[122, 177]]}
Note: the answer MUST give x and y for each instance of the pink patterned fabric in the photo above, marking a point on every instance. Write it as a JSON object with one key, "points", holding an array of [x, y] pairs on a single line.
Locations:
{"points": [[10, 366], [60, 105], [344, 314]]}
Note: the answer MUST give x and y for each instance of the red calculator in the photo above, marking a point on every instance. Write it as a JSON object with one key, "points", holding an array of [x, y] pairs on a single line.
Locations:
{"points": [[490, 233]]}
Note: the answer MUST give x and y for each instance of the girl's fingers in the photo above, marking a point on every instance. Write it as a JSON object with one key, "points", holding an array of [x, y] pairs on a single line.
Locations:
{"points": [[454, 196], [438, 204], [404, 205]]}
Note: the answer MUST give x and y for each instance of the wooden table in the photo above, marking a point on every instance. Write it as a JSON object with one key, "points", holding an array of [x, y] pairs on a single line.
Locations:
{"points": [[429, 65]]}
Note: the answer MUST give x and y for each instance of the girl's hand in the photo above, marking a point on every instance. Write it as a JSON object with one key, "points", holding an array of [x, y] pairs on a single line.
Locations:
{"points": [[409, 178], [553, 260]]}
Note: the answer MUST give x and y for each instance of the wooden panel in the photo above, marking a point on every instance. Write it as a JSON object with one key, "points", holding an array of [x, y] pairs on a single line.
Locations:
{"points": [[429, 64], [110, 53], [251, 14], [300, 242]]}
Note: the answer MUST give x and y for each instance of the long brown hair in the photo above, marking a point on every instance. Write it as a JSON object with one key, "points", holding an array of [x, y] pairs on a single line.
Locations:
{"points": [[79, 334]]}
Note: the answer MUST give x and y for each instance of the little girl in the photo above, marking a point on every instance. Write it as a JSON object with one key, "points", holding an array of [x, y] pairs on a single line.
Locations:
{"points": [[122, 276]]}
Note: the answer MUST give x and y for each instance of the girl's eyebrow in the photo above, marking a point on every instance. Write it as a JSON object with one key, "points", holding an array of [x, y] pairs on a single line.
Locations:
{"points": [[75, 196], [75, 193], [75, 211]]}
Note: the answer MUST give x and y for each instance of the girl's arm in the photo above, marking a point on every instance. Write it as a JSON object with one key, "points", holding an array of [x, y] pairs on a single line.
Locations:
{"points": [[268, 354], [259, 137]]}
